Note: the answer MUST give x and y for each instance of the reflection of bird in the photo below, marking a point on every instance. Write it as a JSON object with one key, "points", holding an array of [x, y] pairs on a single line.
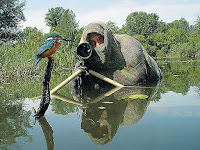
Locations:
{"points": [[49, 47]]}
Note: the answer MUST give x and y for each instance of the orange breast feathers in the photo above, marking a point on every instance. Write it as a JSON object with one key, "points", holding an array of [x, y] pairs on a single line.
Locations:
{"points": [[50, 51]]}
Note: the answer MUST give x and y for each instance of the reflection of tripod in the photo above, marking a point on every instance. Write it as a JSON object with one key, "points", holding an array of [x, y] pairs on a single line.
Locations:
{"points": [[81, 70], [96, 99]]}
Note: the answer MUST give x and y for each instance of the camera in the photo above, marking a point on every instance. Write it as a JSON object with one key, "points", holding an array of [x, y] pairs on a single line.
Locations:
{"points": [[84, 50]]}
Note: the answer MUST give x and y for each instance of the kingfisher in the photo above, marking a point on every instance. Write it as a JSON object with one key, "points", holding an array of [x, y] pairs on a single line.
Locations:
{"points": [[49, 47]]}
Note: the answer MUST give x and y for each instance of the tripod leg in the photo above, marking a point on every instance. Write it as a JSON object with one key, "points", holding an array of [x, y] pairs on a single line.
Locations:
{"points": [[66, 81], [105, 78]]}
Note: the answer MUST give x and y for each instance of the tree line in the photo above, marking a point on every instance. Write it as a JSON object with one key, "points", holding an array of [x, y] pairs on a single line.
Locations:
{"points": [[160, 39]]}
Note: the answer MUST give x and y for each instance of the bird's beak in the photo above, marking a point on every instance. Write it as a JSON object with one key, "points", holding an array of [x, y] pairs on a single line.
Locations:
{"points": [[64, 39]]}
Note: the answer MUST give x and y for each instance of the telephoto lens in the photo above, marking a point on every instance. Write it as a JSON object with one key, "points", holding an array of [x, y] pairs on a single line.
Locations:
{"points": [[84, 50]]}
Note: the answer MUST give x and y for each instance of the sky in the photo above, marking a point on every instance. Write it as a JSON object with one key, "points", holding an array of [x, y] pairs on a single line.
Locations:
{"points": [[88, 11]]}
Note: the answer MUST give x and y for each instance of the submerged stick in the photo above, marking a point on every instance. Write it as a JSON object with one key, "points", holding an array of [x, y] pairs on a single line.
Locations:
{"points": [[45, 101]]}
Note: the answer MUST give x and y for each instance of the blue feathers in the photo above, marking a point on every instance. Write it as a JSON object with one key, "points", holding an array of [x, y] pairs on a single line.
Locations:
{"points": [[44, 47], [37, 59], [53, 34]]}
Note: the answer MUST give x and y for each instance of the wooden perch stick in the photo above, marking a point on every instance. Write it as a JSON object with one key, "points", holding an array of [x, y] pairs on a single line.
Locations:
{"points": [[45, 101]]}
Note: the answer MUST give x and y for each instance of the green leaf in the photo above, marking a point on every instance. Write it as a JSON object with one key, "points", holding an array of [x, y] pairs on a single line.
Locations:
{"points": [[141, 96]]}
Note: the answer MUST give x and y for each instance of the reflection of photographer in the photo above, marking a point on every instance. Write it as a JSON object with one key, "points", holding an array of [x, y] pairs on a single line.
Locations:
{"points": [[101, 120]]}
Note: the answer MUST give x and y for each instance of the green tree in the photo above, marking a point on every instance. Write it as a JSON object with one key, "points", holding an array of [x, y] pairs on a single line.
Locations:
{"points": [[79, 35], [62, 21], [182, 50], [11, 13], [68, 25], [160, 43], [54, 16], [162, 27], [151, 49], [34, 38], [112, 26], [140, 38], [142, 23], [175, 36], [180, 24], [123, 30], [26, 32], [197, 24], [194, 41]]}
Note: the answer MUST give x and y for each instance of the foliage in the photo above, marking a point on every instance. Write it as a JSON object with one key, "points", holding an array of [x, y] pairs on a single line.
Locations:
{"points": [[197, 24], [11, 13], [176, 36], [14, 124], [54, 16], [68, 25], [161, 42], [24, 35], [162, 27], [112, 26], [181, 50], [142, 23], [159, 38], [180, 24], [178, 40], [62, 21]]}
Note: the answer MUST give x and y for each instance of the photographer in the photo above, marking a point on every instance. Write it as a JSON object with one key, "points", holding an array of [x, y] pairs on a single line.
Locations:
{"points": [[119, 57]]}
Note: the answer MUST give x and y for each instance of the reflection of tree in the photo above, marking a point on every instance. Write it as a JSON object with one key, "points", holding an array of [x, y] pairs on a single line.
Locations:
{"points": [[197, 90], [63, 108], [60, 107], [14, 124], [179, 75]]}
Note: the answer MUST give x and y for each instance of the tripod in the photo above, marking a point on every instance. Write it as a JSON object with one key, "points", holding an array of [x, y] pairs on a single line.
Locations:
{"points": [[84, 69]]}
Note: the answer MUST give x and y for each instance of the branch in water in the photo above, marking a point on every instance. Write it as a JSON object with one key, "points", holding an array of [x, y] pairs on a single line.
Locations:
{"points": [[45, 101]]}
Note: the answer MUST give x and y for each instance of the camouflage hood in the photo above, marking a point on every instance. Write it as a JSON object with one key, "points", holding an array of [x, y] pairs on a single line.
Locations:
{"points": [[102, 56]]}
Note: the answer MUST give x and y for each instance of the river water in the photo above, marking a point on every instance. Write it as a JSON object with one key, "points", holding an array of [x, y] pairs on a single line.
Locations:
{"points": [[162, 116]]}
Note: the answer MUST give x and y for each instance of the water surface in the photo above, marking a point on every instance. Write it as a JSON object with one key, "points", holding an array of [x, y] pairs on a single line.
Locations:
{"points": [[161, 116]]}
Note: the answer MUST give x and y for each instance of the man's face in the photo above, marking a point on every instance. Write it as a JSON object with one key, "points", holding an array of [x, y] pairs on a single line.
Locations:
{"points": [[95, 39]]}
